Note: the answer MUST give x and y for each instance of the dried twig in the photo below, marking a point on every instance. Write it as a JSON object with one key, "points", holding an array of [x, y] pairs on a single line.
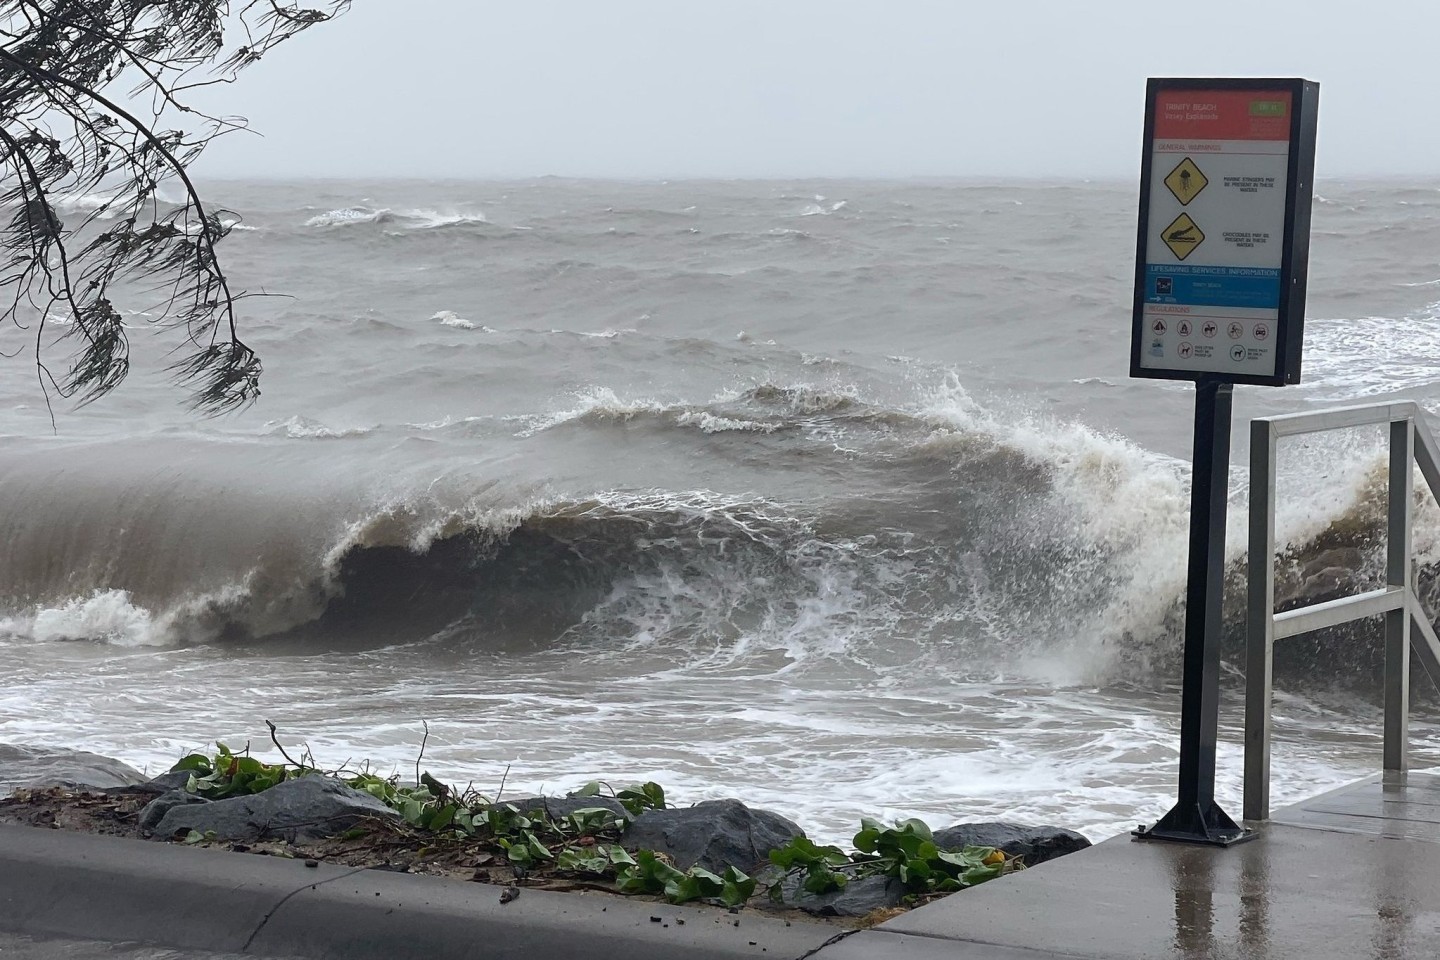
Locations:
{"points": [[276, 740], [424, 740], [503, 777]]}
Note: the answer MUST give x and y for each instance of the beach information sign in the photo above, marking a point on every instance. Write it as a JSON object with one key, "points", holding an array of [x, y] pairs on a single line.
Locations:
{"points": [[1225, 193]]}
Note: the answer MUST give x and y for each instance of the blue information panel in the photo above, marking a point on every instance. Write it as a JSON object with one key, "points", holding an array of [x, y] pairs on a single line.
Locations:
{"points": [[1257, 287]]}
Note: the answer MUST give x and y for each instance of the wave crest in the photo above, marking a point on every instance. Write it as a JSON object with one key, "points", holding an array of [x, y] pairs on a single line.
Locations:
{"points": [[415, 219]]}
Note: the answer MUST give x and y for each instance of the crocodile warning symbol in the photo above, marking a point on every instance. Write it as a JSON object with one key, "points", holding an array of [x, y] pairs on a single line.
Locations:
{"points": [[1182, 236], [1186, 181]]}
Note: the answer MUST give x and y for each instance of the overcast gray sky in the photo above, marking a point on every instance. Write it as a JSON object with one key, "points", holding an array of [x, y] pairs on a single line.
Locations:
{"points": [[777, 88]]}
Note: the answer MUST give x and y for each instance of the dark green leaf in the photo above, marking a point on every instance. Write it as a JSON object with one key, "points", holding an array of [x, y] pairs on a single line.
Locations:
{"points": [[736, 888], [867, 840], [802, 852], [683, 890], [442, 817], [980, 874], [537, 848], [919, 827], [819, 878], [195, 761], [248, 765], [435, 787]]}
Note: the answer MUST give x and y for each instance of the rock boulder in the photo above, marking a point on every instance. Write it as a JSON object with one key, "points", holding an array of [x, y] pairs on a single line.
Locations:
{"points": [[859, 897], [154, 811], [43, 768], [307, 808], [175, 780], [714, 834], [1035, 844]]}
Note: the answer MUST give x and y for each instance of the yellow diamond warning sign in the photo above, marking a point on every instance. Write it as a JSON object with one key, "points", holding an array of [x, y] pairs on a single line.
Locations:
{"points": [[1182, 236], [1186, 181]]}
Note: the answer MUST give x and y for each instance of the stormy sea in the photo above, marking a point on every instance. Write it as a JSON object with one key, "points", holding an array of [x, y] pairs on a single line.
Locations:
{"points": [[834, 496]]}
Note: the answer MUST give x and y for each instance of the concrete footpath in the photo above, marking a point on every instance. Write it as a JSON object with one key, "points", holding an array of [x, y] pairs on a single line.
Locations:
{"points": [[18, 947], [1354, 873], [54, 883]]}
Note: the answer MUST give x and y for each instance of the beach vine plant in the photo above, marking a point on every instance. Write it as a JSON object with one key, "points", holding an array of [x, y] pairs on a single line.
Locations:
{"points": [[907, 852], [585, 843]]}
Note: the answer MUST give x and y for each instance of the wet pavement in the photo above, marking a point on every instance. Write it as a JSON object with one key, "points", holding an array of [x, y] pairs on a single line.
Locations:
{"points": [[17, 947], [1354, 873]]}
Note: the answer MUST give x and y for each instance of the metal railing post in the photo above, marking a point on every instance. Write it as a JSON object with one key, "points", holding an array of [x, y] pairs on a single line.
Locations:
{"points": [[1408, 629], [1398, 574], [1260, 622]]}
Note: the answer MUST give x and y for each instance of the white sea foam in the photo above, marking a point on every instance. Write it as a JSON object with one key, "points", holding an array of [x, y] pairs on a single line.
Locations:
{"points": [[1351, 359], [596, 402], [101, 206], [449, 318], [106, 616], [305, 428], [345, 215], [428, 218], [422, 219], [817, 210], [710, 423], [608, 334], [1116, 498], [86, 202]]}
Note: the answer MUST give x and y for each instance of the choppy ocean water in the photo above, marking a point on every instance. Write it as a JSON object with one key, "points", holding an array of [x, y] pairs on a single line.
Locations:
{"points": [[834, 496]]}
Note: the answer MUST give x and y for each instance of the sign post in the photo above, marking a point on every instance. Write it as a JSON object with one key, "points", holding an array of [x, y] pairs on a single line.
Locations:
{"points": [[1225, 192]]}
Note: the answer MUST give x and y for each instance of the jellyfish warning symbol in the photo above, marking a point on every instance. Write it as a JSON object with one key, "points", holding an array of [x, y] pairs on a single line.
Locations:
{"points": [[1182, 236], [1186, 181]]}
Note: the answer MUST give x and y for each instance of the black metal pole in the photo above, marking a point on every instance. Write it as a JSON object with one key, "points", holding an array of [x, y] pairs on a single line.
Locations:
{"points": [[1196, 818]]}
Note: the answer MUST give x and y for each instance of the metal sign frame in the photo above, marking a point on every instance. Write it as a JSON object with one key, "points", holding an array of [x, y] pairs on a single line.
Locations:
{"points": [[1196, 816], [1295, 258]]}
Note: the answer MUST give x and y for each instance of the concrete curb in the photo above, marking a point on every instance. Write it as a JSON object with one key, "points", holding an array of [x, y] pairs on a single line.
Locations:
{"points": [[58, 883]]}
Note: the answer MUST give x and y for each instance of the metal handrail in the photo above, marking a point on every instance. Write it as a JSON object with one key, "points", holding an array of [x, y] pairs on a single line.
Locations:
{"points": [[1410, 442]]}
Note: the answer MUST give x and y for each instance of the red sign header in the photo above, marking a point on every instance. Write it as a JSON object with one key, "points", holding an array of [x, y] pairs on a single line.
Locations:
{"points": [[1223, 115]]}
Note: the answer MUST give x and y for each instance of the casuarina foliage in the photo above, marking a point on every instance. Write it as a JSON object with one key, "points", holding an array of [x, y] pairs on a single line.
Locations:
{"points": [[93, 105]]}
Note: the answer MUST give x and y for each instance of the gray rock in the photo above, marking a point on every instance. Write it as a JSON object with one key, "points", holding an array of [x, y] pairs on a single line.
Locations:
{"points": [[715, 834], [1035, 844], [154, 811], [857, 899], [308, 808], [36, 769], [166, 782], [556, 807]]}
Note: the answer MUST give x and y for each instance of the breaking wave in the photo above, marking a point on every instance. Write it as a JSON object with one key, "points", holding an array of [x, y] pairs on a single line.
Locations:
{"points": [[983, 545], [304, 428], [420, 219]]}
